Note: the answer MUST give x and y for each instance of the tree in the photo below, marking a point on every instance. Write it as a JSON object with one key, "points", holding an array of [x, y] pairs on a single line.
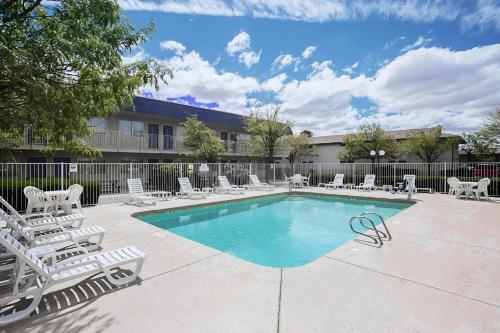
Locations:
{"points": [[201, 141], [62, 64], [491, 130], [368, 137], [476, 146], [298, 146], [428, 145], [268, 133]]}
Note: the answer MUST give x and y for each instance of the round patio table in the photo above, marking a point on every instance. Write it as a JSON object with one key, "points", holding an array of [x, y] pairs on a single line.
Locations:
{"points": [[58, 197], [468, 186]]}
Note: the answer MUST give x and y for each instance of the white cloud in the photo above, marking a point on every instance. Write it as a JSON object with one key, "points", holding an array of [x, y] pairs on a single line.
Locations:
{"points": [[174, 46], [308, 51], [195, 76], [239, 43], [393, 42], [307, 10], [283, 61], [417, 89], [487, 14], [421, 41], [249, 58], [275, 83], [349, 69]]}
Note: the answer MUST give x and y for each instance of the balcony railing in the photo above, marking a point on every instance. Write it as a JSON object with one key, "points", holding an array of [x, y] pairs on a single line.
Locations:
{"points": [[117, 141]]}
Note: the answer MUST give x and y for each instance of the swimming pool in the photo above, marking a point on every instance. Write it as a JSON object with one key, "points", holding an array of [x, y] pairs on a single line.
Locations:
{"points": [[284, 230]]}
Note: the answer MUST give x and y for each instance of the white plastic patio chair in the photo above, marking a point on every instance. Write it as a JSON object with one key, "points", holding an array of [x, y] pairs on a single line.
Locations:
{"points": [[482, 189], [137, 194], [38, 200], [453, 183], [32, 284], [226, 187], [188, 191], [50, 234], [411, 183], [338, 182], [305, 180], [75, 191], [368, 183], [74, 220], [257, 185]]}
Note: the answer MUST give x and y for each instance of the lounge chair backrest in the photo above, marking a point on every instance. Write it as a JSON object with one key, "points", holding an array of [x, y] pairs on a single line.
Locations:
{"points": [[135, 186], [339, 179], [18, 228], [453, 182], [297, 178], [75, 191], [185, 185], [255, 180], [369, 180], [224, 182], [19, 250], [12, 210], [410, 178], [483, 184]]}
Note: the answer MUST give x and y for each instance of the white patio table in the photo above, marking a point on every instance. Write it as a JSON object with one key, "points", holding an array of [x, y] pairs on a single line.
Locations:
{"points": [[58, 197], [468, 186]]}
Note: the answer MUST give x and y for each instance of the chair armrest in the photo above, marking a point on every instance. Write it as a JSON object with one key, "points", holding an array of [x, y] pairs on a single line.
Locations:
{"points": [[37, 215]]}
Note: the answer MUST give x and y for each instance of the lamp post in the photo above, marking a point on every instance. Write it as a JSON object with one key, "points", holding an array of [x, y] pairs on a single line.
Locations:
{"points": [[379, 154]]}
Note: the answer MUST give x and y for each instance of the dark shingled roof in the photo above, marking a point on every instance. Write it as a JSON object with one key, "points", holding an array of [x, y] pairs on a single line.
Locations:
{"points": [[181, 112]]}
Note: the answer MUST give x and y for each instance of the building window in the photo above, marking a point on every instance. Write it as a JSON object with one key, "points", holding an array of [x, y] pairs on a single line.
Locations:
{"points": [[97, 124], [223, 136], [233, 137], [128, 127]]}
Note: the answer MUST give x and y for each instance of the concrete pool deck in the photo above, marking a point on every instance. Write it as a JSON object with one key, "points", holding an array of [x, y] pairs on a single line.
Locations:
{"points": [[440, 273]]}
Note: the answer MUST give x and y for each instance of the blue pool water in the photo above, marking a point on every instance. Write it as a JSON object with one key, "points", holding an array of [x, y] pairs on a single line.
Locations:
{"points": [[278, 231]]}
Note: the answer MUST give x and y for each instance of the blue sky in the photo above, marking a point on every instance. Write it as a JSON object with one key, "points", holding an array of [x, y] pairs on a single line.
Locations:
{"points": [[331, 65]]}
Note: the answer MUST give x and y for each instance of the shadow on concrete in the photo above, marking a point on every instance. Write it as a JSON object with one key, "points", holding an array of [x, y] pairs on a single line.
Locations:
{"points": [[68, 304]]}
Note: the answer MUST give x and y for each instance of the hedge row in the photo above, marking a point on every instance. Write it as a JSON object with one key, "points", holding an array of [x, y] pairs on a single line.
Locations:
{"points": [[12, 190]]}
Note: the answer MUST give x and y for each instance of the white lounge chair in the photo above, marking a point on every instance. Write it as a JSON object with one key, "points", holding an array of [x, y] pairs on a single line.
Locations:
{"points": [[368, 183], [482, 188], [50, 234], [38, 200], [74, 220], [188, 191], [257, 185], [75, 191], [226, 187], [27, 283], [137, 194], [338, 181]]}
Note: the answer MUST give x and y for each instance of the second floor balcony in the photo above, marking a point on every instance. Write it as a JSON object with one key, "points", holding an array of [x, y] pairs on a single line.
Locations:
{"points": [[115, 141]]}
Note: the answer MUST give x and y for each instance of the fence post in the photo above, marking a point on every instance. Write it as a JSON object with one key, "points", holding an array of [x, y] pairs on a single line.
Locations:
{"points": [[130, 170], [274, 173], [62, 176], [444, 181], [394, 173]]}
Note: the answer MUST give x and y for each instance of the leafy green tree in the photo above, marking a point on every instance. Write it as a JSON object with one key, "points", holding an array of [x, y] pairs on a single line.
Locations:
{"points": [[491, 130], [61, 64], [368, 137], [201, 141], [477, 146], [428, 145], [268, 133], [298, 146]]}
